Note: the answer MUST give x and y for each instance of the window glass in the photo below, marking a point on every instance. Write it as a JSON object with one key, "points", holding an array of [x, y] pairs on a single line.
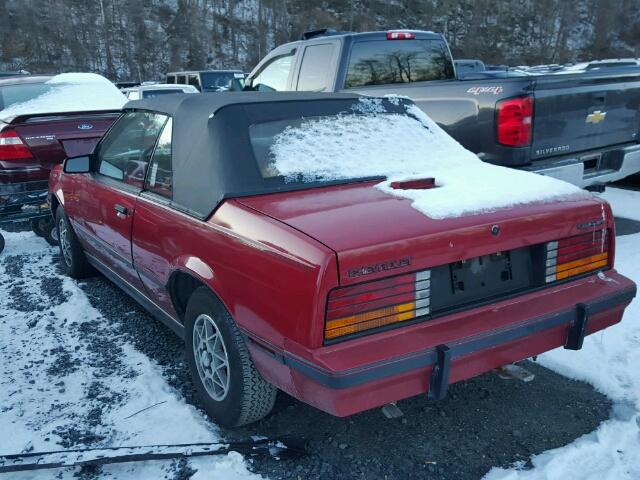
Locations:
{"points": [[274, 76], [171, 79], [160, 173], [164, 91], [383, 62], [181, 79], [316, 68], [193, 80], [222, 81], [125, 151]]}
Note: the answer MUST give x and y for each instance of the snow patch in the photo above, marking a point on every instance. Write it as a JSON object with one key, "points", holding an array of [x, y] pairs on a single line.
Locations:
{"points": [[401, 147], [69, 92], [609, 361], [69, 379]]}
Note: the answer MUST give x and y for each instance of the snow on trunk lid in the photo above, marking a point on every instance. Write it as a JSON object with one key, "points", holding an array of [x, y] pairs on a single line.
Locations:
{"points": [[371, 142]]}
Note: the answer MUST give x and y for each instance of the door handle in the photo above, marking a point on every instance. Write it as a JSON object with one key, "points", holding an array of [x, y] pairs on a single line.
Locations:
{"points": [[121, 209]]}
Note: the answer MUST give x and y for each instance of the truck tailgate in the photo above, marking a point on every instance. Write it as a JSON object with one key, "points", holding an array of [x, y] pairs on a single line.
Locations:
{"points": [[580, 113]]}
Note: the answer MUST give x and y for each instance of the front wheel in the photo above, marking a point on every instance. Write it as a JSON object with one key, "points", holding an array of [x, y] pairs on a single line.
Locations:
{"points": [[233, 393]]}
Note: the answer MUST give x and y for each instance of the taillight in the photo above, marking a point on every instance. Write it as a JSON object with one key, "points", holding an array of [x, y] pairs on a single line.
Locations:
{"points": [[12, 147], [515, 121], [377, 304], [400, 36], [577, 255]]}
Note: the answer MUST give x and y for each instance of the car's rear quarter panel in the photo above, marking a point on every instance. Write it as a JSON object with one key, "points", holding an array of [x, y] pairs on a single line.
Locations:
{"points": [[273, 279]]}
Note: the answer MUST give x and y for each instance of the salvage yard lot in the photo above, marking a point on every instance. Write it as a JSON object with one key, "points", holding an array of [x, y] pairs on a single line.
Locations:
{"points": [[81, 360]]}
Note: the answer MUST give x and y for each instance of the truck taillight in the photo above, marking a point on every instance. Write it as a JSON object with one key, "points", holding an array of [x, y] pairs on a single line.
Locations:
{"points": [[376, 304], [12, 147], [515, 121], [400, 36], [577, 255]]}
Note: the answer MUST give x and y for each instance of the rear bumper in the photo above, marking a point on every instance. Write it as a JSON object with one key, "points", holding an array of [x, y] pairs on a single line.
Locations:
{"points": [[608, 166], [369, 372], [26, 199]]}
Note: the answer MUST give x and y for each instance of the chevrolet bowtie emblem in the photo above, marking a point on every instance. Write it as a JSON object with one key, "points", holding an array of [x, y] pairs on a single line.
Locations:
{"points": [[596, 117]]}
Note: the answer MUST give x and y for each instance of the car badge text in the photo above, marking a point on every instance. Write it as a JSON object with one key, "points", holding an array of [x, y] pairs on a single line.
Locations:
{"points": [[85, 126], [379, 267]]}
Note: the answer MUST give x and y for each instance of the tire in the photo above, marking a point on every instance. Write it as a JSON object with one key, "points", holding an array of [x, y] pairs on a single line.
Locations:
{"points": [[38, 226], [72, 257], [1, 243], [241, 395], [46, 228]]}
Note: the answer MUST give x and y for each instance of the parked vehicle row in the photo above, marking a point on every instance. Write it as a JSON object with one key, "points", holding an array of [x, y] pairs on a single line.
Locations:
{"points": [[207, 211], [255, 224]]}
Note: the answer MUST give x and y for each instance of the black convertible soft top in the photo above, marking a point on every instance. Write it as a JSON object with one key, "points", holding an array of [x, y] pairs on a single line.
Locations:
{"points": [[212, 154]]}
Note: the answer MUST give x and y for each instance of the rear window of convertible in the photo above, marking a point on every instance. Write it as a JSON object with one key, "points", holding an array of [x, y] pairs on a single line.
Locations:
{"points": [[333, 148]]}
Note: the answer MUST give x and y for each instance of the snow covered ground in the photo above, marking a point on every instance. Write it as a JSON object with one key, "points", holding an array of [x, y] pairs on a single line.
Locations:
{"points": [[610, 361], [68, 379]]}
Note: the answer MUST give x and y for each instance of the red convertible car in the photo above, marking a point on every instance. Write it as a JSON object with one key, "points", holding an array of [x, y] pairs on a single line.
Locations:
{"points": [[333, 290]]}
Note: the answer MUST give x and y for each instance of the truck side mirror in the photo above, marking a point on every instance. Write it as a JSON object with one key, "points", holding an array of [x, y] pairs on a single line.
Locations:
{"points": [[81, 164]]}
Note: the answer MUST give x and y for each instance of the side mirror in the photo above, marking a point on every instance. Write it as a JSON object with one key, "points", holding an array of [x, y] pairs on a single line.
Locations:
{"points": [[80, 164]]}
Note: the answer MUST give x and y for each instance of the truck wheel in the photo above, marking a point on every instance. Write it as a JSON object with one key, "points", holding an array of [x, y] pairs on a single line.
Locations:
{"points": [[232, 391], [74, 262], [1, 243]]}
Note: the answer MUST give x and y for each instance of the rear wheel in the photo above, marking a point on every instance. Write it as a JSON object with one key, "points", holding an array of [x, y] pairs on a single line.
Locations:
{"points": [[46, 228], [232, 391], [74, 262]]}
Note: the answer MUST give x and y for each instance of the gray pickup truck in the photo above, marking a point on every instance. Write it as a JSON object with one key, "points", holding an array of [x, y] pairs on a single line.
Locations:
{"points": [[582, 126]]}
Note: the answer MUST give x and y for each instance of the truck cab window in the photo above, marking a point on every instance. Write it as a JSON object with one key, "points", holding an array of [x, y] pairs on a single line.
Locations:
{"points": [[383, 62], [274, 75], [160, 174], [125, 151], [316, 68], [193, 80]]}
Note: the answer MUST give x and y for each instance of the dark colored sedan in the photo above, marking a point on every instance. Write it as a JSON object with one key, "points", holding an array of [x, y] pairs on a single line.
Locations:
{"points": [[43, 120]]}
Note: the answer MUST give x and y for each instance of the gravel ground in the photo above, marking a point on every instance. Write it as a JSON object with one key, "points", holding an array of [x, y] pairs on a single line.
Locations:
{"points": [[486, 421]]}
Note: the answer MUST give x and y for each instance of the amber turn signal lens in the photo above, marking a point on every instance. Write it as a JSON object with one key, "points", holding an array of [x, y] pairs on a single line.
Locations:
{"points": [[577, 255], [372, 305]]}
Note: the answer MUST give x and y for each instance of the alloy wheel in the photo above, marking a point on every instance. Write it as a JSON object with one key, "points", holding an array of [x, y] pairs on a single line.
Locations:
{"points": [[211, 357], [65, 244]]}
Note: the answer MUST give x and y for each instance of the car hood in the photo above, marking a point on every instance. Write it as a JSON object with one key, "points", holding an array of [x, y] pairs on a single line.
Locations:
{"points": [[366, 227]]}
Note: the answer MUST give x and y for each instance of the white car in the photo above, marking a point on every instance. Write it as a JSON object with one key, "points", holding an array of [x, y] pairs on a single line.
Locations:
{"points": [[155, 89]]}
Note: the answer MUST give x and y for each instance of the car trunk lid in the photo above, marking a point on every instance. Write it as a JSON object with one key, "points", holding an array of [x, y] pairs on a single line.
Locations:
{"points": [[54, 137], [376, 235]]}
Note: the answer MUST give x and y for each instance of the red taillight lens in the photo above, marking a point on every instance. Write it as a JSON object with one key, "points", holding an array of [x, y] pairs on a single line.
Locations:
{"points": [[12, 147], [577, 255], [515, 121], [376, 304], [400, 36]]}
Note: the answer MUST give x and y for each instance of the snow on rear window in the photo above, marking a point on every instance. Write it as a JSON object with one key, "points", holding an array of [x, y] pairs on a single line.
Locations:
{"points": [[401, 147], [67, 92]]}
